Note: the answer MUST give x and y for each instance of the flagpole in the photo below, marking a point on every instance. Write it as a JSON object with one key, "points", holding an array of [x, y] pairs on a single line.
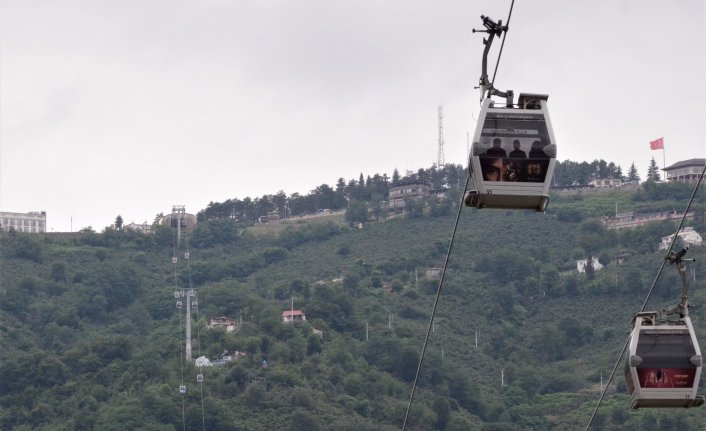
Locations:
{"points": [[664, 161]]}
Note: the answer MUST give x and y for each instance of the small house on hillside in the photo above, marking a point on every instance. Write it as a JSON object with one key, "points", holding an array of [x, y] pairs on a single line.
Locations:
{"points": [[291, 316], [222, 322], [688, 235], [581, 265], [432, 272]]}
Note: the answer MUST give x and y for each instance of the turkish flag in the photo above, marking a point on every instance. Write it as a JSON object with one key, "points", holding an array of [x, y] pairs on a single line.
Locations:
{"points": [[657, 144]]}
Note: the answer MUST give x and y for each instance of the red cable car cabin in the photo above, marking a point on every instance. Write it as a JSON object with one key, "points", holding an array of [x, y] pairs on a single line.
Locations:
{"points": [[664, 363]]}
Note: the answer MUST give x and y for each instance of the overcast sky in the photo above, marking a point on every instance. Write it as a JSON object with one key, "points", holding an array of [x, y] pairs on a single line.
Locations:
{"points": [[129, 107]]}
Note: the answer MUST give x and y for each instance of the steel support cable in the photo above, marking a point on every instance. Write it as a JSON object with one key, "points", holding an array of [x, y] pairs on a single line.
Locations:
{"points": [[502, 44], [198, 333], [649, 294], [181, 327], [436, 303]]}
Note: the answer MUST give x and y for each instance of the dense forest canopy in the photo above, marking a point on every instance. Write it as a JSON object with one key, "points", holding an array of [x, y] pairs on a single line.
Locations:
{"points": [[92, 339]]}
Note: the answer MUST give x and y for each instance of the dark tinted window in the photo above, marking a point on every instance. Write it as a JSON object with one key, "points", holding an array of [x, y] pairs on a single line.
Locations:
{"points": [[667, 349]]}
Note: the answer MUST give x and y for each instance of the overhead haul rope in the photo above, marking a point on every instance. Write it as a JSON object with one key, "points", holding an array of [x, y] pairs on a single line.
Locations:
{"points": [[181, 328], [502, 44], [649, 293], [198, 334], [436, 303], [448, 254]]}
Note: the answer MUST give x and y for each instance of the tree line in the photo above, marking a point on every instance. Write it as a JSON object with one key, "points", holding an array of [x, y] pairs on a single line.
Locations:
{"points": [[375, 189]]}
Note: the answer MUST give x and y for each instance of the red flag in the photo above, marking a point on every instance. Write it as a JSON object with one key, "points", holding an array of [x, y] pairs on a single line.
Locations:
{"points": [[657, 144]]}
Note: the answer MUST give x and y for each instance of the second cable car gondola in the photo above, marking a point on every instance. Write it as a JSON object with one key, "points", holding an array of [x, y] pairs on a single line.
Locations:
{"points": [[513, 156], [664, 362]]}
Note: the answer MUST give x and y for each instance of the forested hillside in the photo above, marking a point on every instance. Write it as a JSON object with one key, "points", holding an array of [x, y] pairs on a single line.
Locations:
{"points": [[91, 338], [372, 190]]}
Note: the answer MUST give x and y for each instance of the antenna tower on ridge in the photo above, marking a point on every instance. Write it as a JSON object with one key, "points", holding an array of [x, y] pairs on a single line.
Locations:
{"points": [[440, 158]]}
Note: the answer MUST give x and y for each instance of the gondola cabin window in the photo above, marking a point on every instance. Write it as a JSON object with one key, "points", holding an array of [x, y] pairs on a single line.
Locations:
{"points": [[666, 360], [515, 147]]}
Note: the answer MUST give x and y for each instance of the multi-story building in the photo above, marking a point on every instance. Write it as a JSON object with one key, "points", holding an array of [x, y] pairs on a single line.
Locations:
{"points": [[407, 190], [34, 222], [684, 171]]}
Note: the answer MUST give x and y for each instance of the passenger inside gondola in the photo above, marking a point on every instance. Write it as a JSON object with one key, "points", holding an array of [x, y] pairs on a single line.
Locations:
{"points": [[517, 153], [496, 150]]}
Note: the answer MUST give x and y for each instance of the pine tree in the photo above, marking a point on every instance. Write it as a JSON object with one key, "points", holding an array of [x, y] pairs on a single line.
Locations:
{"points": [[395, 176], [653, 171], [632, 173]]}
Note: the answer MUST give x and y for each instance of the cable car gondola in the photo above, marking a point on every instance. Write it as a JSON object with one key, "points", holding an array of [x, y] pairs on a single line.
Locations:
{"points": [[199, 378], [514, 151], [513, 156], [182, 389], [664, 362], [178, 305]]}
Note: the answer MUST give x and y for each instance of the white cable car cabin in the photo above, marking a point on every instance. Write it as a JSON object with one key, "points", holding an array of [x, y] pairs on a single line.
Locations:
{"points": [[513, 156], [178, 305], [199, 378], [182, 389], [664, 363], [195, 305]]}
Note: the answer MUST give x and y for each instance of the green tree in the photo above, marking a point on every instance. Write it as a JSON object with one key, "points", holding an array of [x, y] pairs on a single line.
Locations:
{"points": [[632, 173], [119, 222], [653, 171], [357, 212]]}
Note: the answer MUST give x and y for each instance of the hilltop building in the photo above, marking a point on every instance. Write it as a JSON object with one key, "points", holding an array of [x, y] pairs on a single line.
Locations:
{"points": [[684, 171], [606, 182], [34, 222], [144, 227], [408, 190]]}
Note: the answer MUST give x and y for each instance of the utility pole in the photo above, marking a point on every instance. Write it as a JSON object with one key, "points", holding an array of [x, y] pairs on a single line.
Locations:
{"points": [[187, 353], [440, 157]]}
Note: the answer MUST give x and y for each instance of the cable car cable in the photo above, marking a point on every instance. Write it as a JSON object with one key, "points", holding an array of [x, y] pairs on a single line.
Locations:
{"points": [[198, 333], [436, 303], [181, 327], [502, 44], [649, 293]]}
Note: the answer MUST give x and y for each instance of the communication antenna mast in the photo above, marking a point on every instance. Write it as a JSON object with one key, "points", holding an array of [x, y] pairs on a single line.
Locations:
{"points": [[440, 158]]}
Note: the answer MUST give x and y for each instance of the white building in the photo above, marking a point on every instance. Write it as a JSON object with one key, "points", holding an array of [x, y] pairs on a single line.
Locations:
{"points": [[291, 316], [144, 227], [35, 222], [688, 235], [606, 182], [581, 265]]}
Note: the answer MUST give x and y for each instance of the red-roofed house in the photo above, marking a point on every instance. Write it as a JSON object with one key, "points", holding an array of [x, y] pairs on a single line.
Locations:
{"points": [[289, 316]]}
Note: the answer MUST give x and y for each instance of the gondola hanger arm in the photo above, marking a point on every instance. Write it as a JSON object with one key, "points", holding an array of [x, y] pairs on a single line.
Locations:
{"points": [[493, 29], [678, 259]]}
